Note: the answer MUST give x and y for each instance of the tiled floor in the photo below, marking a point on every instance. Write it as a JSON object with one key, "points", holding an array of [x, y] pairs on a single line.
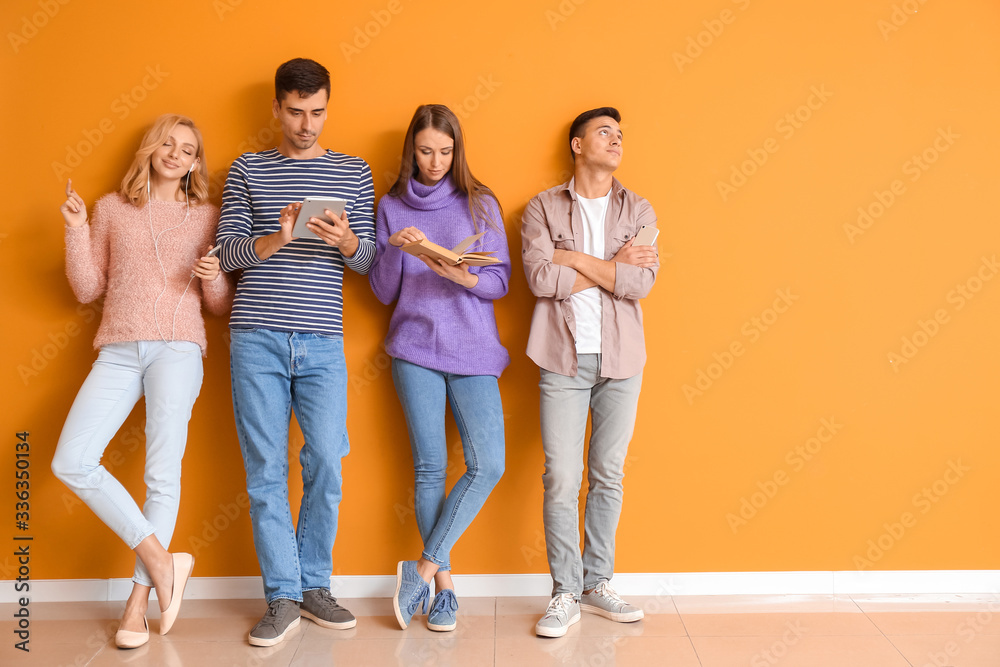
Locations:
{"points": [[710, 631]]}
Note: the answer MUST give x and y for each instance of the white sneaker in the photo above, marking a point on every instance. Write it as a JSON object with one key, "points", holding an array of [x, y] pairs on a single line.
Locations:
{"points": [[603, 601], [562, 612]]}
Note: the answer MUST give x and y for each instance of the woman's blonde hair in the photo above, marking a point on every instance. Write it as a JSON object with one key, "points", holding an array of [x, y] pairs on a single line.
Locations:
{"points": [[134, 185]]}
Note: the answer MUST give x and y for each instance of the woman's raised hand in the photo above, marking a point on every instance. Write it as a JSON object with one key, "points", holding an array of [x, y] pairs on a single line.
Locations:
{"points": [[406, 235], [74, 210]]}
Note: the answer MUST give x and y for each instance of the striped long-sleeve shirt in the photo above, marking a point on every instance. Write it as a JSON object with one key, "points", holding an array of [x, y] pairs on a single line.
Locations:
{"points": [[298, 288]]}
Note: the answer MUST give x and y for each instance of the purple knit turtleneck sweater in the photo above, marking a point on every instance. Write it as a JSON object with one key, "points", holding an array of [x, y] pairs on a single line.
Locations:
{"points": [[439, 324]]}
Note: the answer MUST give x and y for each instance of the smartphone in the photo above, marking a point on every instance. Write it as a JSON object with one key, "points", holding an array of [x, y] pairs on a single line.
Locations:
{"points": [[313, 207], [646, 236], [211, 253]]}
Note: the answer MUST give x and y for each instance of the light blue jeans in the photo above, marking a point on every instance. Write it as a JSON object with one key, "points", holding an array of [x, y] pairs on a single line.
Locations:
{"points": [[170, 376], [274, 372], [475, 403], [564, 404]]}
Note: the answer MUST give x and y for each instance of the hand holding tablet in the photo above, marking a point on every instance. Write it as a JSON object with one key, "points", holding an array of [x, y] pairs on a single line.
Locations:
{"points": [[314, 207]]}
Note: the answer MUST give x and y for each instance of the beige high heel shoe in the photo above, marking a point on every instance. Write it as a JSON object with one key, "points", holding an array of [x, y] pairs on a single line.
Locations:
{"points": [[183, 565], [130, 639]]}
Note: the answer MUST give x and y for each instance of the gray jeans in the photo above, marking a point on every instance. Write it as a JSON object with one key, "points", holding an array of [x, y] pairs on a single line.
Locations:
{"points": [[564, 405]]}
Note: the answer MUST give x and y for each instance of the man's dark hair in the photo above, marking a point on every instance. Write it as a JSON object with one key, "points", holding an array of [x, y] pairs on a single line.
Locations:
{"points": [[577, 128], [303, 75]]}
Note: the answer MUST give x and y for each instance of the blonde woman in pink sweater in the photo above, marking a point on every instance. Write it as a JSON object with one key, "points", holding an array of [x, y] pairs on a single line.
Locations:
{"points": [[146, 251]]}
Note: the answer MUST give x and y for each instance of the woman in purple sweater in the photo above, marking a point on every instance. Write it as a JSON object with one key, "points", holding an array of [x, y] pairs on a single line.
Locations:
{"points": [[444, 344]]}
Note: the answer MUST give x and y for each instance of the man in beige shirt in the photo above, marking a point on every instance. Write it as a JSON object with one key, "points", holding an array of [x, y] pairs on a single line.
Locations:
{"points": [[582, 262]]}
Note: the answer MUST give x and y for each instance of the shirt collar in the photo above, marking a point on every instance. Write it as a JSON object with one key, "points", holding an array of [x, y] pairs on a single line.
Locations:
{"points": [[617, 189]]}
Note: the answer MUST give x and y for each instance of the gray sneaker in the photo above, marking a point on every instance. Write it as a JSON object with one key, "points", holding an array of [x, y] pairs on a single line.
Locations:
{"points": [[281, 617], [562, 612], [322, 608], [603, 601]]}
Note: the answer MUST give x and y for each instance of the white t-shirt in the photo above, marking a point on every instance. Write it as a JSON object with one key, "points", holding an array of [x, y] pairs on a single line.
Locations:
{"points": [[587, 303]]}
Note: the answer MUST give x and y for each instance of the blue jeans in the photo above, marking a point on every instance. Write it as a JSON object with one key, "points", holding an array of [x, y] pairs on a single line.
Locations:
{"points": [[565, 402], [274, 372], [475, 403], [169, 375]]}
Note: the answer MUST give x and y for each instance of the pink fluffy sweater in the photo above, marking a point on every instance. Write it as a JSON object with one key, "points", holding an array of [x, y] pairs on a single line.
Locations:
{"points": [[114, 255]]}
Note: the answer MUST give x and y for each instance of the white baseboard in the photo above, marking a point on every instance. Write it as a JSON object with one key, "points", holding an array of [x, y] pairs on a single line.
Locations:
{"points": [[909, 582]]}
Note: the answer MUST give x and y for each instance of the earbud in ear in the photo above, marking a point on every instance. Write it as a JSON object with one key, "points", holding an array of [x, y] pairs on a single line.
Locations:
{"points": [[193, 165]]}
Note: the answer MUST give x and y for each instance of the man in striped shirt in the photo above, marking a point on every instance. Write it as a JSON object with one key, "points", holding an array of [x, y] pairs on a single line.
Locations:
{"points": [[287, 349]]}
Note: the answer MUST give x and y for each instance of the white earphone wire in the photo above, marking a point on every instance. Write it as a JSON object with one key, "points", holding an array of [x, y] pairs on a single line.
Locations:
{"points": [[163, 269]]}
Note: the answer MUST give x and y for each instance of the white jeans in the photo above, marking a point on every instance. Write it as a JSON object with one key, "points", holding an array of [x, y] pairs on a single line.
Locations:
{"points": [[170, 376]]}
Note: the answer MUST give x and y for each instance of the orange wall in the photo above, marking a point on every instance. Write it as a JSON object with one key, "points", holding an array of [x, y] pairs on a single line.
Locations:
{"points": [[706, 88]]}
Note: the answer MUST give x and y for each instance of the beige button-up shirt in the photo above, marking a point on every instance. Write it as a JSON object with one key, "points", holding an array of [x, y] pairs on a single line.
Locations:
{"points": [[552, 221]]}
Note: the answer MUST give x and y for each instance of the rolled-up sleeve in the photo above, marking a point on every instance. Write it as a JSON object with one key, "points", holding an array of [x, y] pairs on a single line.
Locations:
{"points": [[545, 279], [634, 282]]}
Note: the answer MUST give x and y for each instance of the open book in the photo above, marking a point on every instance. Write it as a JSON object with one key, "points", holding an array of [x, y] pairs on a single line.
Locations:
{"points": [[455, 256]]}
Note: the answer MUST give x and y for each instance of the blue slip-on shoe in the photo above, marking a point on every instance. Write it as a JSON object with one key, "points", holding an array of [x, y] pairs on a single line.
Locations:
{"points": [[412, 592], [443, 611]]}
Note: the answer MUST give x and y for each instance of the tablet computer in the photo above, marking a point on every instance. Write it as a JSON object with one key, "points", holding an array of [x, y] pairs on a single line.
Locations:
{"points": [[313, 207]]}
